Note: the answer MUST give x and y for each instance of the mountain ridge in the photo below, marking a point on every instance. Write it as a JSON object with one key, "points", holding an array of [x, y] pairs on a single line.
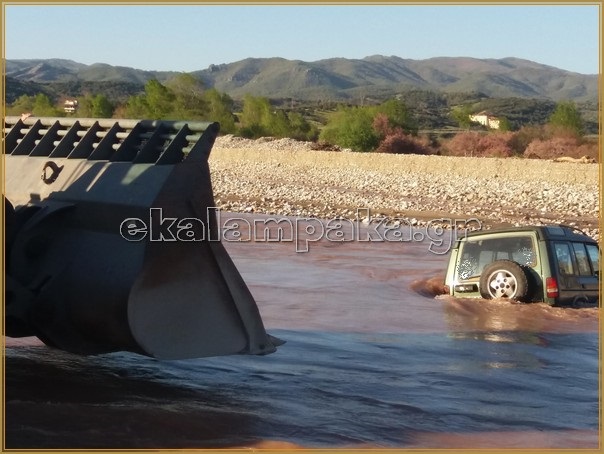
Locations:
{"points": [[339, 79]]}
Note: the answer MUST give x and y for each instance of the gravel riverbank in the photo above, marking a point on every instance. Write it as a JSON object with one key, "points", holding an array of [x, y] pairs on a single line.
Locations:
{"points": [[288, 178]]}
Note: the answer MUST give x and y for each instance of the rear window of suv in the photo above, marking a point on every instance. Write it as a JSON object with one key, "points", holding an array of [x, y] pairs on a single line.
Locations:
{"points": [[478, 253]]}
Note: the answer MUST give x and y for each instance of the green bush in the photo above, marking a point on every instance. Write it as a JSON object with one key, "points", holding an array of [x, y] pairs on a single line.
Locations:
{"points": [[351, 127], [260, 119]]}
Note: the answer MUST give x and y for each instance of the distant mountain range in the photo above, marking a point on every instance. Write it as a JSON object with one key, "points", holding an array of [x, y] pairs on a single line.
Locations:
{"points": [[337, 79]]}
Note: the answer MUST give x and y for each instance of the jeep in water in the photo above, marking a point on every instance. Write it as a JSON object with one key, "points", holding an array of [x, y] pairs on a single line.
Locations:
{"points": [[554, 264]]}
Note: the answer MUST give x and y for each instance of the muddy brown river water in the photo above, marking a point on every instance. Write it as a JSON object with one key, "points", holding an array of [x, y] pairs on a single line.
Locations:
{"points": [[374, 358]]}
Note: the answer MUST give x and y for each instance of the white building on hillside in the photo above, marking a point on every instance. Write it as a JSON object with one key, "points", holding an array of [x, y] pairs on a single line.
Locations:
{"points": [[486, 119], [70, 105]]}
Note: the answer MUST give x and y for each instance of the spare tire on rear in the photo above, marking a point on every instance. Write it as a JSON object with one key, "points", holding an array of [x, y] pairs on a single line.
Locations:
{"points": [[504, 279]]}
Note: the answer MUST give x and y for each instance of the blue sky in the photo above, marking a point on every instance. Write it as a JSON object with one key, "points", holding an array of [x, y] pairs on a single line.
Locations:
{"points": [[192, 37]]}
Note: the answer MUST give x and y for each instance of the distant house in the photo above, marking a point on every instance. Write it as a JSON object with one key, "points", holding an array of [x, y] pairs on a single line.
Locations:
{"points": [[486, 119], [70, 105]]}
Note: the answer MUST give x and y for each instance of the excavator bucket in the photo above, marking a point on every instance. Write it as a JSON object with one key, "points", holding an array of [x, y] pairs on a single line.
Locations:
{"points": [[112, 241]]}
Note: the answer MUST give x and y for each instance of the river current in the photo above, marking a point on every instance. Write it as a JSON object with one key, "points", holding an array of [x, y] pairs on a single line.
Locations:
{"points": [[375, 357]]}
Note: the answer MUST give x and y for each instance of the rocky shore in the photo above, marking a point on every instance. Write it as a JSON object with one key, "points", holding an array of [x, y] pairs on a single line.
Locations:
{"points": [[290, 178]]}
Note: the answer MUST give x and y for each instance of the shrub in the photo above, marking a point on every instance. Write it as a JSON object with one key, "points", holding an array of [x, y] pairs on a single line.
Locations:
{"points": [[567, 119], [381, 125], [525, 135], [401, 143], [363, 128], [496, 145], [394, 140], [557, 147], [351, 127], [253, 131], [480, 144]]}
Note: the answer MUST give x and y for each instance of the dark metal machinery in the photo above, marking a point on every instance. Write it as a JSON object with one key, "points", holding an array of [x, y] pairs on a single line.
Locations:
{"points": [[111, 242]]}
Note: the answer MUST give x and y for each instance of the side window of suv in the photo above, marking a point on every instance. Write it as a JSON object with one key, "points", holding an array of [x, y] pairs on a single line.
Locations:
{"points": [[594, 256], [565, 261], [582, 260]]}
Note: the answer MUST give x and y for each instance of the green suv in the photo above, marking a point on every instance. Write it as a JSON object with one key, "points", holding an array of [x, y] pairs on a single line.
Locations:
{"points": [[554, 264]]}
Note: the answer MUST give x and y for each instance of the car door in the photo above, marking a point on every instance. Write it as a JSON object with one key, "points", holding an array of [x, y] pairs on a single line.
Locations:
{"points": [[576, 279], [568, 278], [591, 279]]}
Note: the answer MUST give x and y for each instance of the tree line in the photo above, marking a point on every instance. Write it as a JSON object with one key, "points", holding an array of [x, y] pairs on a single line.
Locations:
{"points": [[388, 127]]}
